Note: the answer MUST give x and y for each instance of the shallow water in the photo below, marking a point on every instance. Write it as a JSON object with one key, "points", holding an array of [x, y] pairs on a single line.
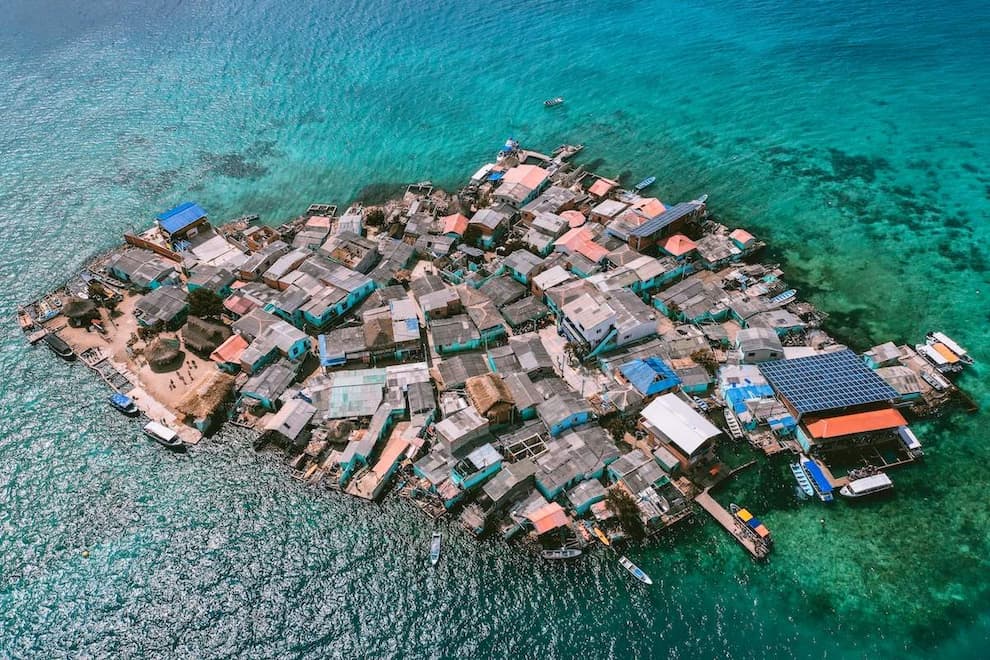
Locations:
{"points": [[851, 136]]}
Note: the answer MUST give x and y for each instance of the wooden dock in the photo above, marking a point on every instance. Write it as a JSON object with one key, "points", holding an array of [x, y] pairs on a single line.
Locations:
{"points": [[728, 521]]}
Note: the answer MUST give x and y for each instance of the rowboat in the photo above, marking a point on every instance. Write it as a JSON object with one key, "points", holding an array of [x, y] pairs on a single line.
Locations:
{"points": [[435, 548], [784, 298], [645, 183], [602, 536], [561, 553], [557, 100], [635, 571]]}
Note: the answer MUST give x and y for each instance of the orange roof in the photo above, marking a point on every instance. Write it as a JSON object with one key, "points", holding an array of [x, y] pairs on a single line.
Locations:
{"points": [[593, 250], [574, 218], [876, 420], [651, 207], [547, 517], [238, 305], [602, 187], [574, 239], [944, 351], [741, 235], [531, 176], [230, 350], [455, 224], [679, 245], [632, 217], [318, 221]]}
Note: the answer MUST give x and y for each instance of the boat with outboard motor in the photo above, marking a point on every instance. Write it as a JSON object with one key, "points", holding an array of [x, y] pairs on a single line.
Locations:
{"points": [[635, 570], [435, 542]]}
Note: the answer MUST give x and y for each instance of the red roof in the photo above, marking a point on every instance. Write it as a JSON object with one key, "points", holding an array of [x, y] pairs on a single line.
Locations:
{"points": [[547, 517], [239, 305], [602, 187], [679, 245], [230, 350], [651, 207], [531, 176], [574, 218], [455, 224], [741, 236], [593, 251], [318, 221], [876, 420]]}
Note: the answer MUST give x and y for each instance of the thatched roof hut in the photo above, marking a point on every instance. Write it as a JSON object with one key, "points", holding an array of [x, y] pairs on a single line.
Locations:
{"points": [[206, 395], [203, 337], [163, 354], [80, 312], [490, 396]]}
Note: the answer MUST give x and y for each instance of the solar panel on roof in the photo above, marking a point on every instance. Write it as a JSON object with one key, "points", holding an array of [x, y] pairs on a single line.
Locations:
{"points": [[826, 382]]}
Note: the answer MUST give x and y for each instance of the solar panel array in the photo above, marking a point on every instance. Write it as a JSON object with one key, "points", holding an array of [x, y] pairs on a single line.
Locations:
{"points": [[826, 382]]}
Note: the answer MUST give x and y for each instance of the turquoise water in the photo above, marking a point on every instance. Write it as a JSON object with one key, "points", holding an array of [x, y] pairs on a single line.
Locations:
{"points": [[853, 136]]}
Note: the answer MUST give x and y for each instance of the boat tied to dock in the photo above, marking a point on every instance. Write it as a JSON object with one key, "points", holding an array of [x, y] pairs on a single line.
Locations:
{"points": [[124, 404], [752, 525], [635, 570], [867, 485], [59, 347], [164, 436]]}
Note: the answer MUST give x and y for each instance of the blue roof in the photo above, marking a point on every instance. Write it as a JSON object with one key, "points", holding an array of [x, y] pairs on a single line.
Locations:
{"points": [[829, 381], [496, 176], [412, 325], [668, 217], [649, 376], [737, 395], [326, 359], [818, 476], [180, 217]]}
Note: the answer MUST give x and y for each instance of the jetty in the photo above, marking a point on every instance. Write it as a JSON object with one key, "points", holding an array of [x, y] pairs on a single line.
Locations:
{"points": [[728, 521]]}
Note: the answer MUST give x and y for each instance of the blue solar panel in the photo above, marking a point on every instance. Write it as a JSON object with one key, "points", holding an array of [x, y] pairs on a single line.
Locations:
{"points": [[828, 381]]}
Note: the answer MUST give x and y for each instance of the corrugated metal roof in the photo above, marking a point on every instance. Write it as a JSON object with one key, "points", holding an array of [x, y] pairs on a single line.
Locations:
{"points": [[180, 217]]}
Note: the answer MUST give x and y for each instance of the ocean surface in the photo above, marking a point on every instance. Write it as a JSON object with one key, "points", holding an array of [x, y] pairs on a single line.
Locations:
{"points": [[853, 136]]}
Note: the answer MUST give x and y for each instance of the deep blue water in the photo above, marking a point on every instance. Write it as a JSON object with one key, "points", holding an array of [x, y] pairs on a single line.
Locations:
{"points": [[853, 136]]}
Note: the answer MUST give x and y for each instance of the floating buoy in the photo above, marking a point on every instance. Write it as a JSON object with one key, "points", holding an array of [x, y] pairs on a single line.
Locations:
{"points": [[85, 554]]}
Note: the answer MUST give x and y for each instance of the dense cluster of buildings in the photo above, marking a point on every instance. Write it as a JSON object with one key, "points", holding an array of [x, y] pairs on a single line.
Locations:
{"points": [[519, 351]]}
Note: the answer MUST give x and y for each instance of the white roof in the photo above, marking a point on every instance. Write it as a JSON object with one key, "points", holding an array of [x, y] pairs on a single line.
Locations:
{"points": [[552, 277], [872, 482], [686, 429]]}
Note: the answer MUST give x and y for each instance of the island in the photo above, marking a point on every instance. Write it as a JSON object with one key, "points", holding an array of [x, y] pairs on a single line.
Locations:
{"points": [[545, 354]]}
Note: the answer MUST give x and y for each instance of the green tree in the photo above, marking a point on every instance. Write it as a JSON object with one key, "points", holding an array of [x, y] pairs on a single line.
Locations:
{"points": [[205, 304], [622, 505], [375, 217]]}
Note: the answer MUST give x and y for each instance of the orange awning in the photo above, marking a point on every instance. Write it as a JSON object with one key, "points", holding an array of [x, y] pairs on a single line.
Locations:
{"points": [[944, 351], [876, 420]]}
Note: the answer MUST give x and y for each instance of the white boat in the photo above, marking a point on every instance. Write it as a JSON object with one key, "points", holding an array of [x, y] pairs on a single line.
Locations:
{"points": [[645, 183], [941, 338], [164, 436], [435, 548], [557, 100], [943, 360], [733, 424], [635, 571], [876, 483], [784, 298], [561, 553], [910, 441]]}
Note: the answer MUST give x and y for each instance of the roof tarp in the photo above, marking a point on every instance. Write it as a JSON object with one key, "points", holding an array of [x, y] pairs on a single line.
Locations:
{"points": [[180, 217]]}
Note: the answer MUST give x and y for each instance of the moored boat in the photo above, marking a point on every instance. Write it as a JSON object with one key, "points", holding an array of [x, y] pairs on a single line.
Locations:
{"points": [[635, 571], [910, 441], [943, 359], [24, 320], [557, 100], [164, 436], [751, 524], [602, 536], [784, 298], [124, 404], [59, 347], [941, 338], [876, 483], [561, 553], [435, 542], [802, 480], [645, 183]]}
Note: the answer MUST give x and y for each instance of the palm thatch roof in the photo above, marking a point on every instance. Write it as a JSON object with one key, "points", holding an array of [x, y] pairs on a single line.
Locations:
{"points": [[80, 311], [488, 391], [162, 353], [203, 337], [206, 395]]}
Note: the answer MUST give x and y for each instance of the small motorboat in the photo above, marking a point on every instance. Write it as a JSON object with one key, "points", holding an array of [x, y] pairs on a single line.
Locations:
{"points": [[863, 486], [645, 183], [435, 548], [635, 571], [164, 436], [557, 100], [561, 553], [59, 347], [124, 404]]}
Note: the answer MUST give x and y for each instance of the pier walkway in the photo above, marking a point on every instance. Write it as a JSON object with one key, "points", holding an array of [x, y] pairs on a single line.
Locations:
{"points": [[728, 521]]}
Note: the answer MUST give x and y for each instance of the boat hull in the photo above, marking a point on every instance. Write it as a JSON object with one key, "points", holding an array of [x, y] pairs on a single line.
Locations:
{"points": [[173, 445]]}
